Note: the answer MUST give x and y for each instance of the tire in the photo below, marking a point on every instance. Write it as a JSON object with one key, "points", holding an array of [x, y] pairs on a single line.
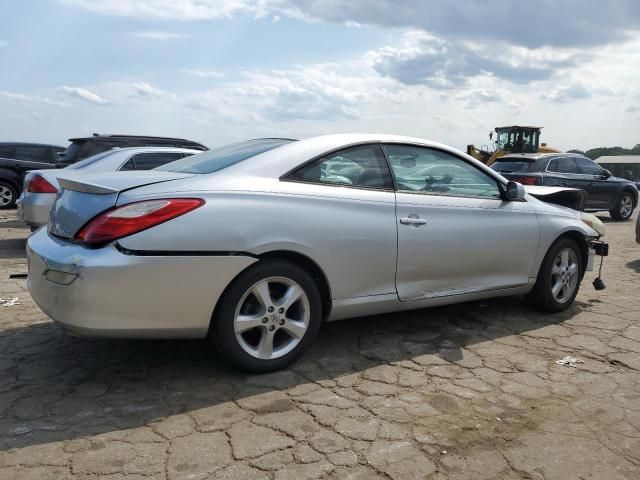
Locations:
{"points": [[8, 195], [624, 208], [542, 296], [270, 319]]}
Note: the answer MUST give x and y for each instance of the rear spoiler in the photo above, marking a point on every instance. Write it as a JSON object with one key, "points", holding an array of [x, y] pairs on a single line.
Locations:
{"points": [[76, 186], [567, 197]]}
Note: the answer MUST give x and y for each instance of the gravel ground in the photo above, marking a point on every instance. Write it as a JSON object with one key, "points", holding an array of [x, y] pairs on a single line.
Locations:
{"points": [[469, 391]]}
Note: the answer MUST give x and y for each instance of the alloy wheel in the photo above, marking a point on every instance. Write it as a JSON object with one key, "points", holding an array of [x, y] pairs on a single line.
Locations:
{"points": [[6, 196], [272, 317], [564, 275], [626, 206]]}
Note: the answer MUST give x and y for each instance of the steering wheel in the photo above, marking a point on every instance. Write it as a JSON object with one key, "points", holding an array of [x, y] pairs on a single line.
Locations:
{"points": [[430, 183]]}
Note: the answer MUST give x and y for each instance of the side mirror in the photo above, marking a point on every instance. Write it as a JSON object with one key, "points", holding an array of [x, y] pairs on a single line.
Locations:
{"points": [[515, 192], [606, 173]]}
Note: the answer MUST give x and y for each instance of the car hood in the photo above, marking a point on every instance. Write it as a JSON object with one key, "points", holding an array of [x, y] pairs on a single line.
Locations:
{"points": [[572, 198]]}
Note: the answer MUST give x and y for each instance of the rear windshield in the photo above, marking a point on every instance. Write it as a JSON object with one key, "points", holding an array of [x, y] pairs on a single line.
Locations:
{"points": [[223, 157], [510, 165], [88, 161]]}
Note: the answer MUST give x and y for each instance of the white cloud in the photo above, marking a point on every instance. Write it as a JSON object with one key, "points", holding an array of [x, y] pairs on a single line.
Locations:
{"points": [[169, 9], [202, 73], [155, 35], [83, 94], [573, 23], [423, 59], [24, 98], [145, 90], [567, 93]]}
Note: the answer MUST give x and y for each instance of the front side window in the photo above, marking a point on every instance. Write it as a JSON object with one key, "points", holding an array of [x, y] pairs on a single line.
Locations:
{"points": [[361, 166], [588, 167], [421, 169], [563, 165]]}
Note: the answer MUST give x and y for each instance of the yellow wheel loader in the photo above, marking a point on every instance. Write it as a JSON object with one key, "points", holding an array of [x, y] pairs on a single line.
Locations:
{"points": [[513, 139]]}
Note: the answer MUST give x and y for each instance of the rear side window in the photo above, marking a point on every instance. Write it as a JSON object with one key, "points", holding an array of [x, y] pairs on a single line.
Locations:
{"points": [[563, 165], [88, 161], [223, 157], [510, 165], [33, 154], [148, 161], [362, 166]]}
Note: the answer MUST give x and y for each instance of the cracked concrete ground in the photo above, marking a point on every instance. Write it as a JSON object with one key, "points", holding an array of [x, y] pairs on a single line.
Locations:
{"points": [[469, 391]]}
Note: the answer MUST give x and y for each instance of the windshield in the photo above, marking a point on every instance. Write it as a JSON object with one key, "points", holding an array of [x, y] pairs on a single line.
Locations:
{"points": [[509, 165], [223, 157], [88, 161]]}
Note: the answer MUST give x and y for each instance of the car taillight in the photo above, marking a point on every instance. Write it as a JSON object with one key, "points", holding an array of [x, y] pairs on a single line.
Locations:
{"points": [[38, 184], [525, 180], [133, 218]]}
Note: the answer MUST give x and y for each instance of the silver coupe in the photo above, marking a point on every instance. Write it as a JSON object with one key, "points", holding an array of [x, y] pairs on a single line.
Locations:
{"points": [[256, 244]]}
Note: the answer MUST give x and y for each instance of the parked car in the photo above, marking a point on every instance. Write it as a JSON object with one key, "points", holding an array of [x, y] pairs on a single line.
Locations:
{"points": [[605, 193], [15, 160], [85, 147], [255, 244], [42, 186]]}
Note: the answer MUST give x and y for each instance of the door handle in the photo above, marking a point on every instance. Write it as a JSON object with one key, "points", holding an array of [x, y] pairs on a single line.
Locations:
{"points": [[563, 183], [413, 221]]}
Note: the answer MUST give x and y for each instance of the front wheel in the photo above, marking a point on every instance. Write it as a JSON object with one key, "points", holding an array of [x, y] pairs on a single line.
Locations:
{"points": [[559, 277], [624, 208], [267, 317]]}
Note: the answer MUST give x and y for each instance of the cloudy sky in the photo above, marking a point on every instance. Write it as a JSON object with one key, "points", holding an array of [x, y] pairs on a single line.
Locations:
{"points": [[223, 70]]}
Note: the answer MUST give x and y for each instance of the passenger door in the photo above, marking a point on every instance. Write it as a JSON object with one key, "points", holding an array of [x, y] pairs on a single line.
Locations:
{"points": [[455, 233], [343, 211], [602, 191]]}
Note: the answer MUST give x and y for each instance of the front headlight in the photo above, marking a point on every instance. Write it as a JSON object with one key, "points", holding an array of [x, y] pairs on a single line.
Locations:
{"points": [[594, 222]]}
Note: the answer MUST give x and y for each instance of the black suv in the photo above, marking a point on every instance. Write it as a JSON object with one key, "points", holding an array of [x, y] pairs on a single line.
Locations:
{"points": [[84, 147], [18, 158], [604, 192]]}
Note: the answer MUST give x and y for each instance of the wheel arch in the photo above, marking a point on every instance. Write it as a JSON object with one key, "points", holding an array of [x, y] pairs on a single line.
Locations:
{"points": [[580, 239], [309, 265], [630, 190]]}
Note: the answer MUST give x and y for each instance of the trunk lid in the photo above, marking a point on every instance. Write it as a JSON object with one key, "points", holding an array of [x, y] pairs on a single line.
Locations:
{"points": [[82, 197]]}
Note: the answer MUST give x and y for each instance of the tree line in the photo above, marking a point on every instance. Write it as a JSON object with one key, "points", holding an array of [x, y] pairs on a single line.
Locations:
{"points": [[602, 151]]}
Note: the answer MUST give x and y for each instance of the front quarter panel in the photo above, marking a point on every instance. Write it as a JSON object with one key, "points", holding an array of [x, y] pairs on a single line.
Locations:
{"points": [[555, 221]]}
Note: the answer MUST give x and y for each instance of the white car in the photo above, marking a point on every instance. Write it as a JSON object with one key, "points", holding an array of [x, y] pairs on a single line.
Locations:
{"points": [[42, 186]]}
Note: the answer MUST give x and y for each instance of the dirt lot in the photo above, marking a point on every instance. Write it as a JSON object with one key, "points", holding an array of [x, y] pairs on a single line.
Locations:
{"points": [[470, 391]]}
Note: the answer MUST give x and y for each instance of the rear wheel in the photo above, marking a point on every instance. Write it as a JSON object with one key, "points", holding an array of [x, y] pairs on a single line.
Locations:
{"points": [[8, 195], [624, 208], [559, 277], [267, 317]]}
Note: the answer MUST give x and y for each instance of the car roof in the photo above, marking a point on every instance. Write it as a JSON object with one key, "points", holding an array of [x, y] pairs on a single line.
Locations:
{"points": [[30, 144], [539, 156], [153, 149], [97, 136], [292, 154]]}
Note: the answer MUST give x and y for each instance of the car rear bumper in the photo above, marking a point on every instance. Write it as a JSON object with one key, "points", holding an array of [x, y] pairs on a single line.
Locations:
{"points": [[105, 292], [34, 208]]}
